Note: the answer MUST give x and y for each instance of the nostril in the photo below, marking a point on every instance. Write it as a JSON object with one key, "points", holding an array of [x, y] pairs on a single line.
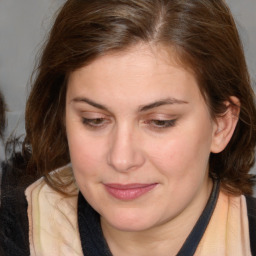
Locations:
{"points": [[124, 159], [121, 161]]}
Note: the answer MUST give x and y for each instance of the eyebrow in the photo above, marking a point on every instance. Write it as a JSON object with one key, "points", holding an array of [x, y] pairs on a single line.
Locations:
{"points": [[90, 102], [167, 101]]}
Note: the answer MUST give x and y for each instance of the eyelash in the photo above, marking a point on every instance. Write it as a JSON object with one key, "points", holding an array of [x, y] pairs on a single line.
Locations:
{"points": [[161, 124], [94, 122], [97, 123]]}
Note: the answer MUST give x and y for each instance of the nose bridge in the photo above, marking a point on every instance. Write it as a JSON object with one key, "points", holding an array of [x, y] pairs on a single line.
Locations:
{"points": [[124, 151]]}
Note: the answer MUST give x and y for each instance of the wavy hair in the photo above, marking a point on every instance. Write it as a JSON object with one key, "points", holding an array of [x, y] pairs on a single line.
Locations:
{"points": [[206, 39]]}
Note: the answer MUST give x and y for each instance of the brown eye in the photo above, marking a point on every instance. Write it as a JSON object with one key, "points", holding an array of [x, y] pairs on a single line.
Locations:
{"points": [[94, 122], [161, 123]]}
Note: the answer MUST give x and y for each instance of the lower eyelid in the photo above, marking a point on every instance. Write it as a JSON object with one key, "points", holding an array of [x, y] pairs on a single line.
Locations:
{"points": [[90, 121], [166, 123]]}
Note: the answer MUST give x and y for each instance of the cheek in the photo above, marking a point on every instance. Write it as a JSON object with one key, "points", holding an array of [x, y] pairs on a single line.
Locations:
{"points": [[170, 157], [85, 152], [185, 153]]}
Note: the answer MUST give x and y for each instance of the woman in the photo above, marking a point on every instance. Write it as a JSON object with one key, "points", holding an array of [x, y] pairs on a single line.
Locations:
{"points": [[141, 121]]}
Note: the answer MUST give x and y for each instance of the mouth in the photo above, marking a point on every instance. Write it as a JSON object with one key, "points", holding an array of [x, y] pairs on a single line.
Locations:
{"points": [[128, 191]]}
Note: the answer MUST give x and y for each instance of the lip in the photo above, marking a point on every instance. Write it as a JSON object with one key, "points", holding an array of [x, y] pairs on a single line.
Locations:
{"points": [[128, 191]]}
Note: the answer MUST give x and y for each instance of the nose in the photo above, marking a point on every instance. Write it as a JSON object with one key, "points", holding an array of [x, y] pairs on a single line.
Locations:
{"points": [[124, 151]]}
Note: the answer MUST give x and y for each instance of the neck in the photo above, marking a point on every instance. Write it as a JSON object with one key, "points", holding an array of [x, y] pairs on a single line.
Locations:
{"points": [[144, 243], [164, 239]]}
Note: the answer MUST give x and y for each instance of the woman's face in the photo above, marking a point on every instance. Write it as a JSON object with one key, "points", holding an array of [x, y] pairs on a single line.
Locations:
{"points": [[139, 135]]}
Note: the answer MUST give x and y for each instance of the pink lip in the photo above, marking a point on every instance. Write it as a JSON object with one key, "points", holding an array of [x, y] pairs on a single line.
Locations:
{"points": [[128, 191]]}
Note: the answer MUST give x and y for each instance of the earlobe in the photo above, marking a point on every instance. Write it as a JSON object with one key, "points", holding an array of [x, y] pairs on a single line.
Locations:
{"points": [[225, 125]]}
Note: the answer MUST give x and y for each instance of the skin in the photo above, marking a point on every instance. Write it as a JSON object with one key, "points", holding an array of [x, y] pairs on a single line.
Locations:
{"points": [[138, 117]]}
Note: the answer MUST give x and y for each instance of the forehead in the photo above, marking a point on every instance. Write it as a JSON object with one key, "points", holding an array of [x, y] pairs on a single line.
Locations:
{"points": [[150, 71]]}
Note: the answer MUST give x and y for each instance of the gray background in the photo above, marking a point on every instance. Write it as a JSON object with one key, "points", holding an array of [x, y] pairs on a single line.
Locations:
{"points": [[23, 26]]}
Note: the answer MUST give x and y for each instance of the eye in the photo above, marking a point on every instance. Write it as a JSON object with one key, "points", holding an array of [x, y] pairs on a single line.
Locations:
{"points": [[94, 122], [160, 124]]}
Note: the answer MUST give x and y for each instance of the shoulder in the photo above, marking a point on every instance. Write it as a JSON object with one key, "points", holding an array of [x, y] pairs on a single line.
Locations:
{"points": [[13, 210], [56, 213], [22, 197]]}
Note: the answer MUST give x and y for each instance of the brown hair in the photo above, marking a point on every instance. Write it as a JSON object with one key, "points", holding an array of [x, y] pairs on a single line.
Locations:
{"points": [[205, 37]]}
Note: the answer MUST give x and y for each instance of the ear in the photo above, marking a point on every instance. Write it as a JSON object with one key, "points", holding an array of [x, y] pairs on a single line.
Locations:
{"points": [[224, 125]]}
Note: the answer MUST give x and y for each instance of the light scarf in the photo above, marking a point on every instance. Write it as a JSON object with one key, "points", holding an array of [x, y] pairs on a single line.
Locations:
{"points": [[52, 217], [53, 224], [228, 230]]}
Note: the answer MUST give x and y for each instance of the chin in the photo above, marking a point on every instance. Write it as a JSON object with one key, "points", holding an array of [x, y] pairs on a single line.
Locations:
{"points": [[130, 223]]}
